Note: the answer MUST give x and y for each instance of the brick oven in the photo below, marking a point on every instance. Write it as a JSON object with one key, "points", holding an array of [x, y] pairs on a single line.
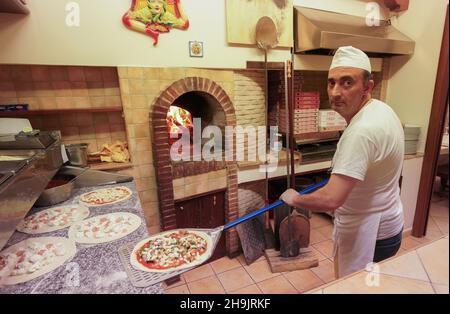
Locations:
{"points": [[205, 99]]}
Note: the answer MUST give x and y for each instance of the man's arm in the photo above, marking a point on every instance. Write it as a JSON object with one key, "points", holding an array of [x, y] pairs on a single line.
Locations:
{"points": [[328, 198]]}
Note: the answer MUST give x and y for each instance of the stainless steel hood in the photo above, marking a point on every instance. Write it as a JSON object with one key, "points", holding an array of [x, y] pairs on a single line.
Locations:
{"points": [[321, 32]]}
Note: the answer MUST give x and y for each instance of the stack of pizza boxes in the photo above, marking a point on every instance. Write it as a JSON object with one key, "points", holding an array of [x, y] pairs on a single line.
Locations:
{"points": [[330, 120], [306, 113]]}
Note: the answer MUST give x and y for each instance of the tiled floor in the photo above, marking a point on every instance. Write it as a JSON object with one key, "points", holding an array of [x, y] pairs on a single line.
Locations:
{"points": [[423, 270], [235, 276]]}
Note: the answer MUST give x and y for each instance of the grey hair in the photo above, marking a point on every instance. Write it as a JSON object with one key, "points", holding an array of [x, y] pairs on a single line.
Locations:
{"points": [[367, 76]]}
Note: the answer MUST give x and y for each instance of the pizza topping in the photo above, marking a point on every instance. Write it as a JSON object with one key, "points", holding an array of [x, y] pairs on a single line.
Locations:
{"points": [[104, 226], [172, 250], [105, 196], [54, 217], [29, 259]]}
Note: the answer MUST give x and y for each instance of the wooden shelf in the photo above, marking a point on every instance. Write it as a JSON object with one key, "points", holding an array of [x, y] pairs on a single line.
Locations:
{"points": [[22, 113], [316, 136], [110, 165]]}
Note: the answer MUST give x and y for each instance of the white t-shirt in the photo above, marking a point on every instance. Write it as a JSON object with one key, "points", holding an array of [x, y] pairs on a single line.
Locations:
{"points": [[371, 150]]}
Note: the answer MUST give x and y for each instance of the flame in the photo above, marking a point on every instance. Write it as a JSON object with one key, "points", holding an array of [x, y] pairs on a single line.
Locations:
{"points": [[176, 118]]}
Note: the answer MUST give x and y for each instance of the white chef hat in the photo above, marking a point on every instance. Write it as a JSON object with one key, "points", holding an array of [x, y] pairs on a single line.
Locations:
{"points": [[349, 56]]}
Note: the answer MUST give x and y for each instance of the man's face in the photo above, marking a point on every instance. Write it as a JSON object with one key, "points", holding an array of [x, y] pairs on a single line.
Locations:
{"points": [[346, 90], [156, 6]]}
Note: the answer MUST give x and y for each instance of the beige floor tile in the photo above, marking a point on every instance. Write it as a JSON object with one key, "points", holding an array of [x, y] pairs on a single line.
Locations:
{"points": [[198, 273], [439, 210], [400, 252], [319, 255], [303, 280], [235, 279], [407, 265], [241, 259], [442, 223], [277, 285], [208, 285], [325, 271], [316, 237], [325, 247], [440, 289], [252, 289], [364, 282], [318, 291], [320, 220], [433, 228], [409, 243], [423, 240], [260, 271], [225, 263], [326, 231], [435, 259], [183, 289]]}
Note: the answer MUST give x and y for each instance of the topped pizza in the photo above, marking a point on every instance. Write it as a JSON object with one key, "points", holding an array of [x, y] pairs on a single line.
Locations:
{"points": [[171, 250], [104, 228], [34, 257], [53, 219], [105, 196]]}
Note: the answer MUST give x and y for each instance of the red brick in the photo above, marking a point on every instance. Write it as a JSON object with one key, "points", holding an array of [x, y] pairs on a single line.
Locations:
{"points": [[189, 83]]}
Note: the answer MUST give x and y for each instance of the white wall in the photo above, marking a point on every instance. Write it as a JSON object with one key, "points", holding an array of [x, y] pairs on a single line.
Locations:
{"points": [[44, 38], [102, 39], [412, 79]]}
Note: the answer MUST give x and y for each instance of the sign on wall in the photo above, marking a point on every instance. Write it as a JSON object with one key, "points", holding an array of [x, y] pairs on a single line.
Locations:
{"points": [[242, 16], [153, 17]]}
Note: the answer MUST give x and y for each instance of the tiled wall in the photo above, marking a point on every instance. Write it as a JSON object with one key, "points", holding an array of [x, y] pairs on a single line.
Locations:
{"points": [[59, 87], [94, 129], [65, 87], [139, 89], [249, 102], [202, 183]]}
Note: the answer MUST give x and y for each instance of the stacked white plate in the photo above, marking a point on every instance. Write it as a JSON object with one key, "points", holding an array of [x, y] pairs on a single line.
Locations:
{"points": [[412, 133]]}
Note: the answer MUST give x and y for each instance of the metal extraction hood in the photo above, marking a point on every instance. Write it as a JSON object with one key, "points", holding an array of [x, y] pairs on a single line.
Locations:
{"points": [[321, 32]]}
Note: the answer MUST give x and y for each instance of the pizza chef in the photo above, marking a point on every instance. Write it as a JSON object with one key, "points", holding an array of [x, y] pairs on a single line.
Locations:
{"points": [[363, 190]]}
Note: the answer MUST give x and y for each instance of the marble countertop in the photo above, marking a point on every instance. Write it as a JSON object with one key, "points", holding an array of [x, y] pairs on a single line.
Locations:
{"points": [[95, 268]]}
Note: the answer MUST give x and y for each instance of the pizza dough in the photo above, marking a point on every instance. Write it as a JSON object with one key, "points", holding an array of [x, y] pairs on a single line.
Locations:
{"points": [[106, 196], [178, 246], [52, 219], [34, 257], [104, 228]]}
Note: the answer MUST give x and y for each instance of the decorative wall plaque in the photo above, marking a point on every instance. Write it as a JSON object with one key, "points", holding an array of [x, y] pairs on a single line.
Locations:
{"points": [[153, 17]]}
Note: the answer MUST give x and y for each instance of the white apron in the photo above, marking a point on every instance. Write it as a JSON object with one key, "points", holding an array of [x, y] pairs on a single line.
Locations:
{"points": [[355, 238]]}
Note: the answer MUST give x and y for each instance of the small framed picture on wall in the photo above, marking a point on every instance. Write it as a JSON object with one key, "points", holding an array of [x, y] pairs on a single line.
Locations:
{"points": [[196, 49]]}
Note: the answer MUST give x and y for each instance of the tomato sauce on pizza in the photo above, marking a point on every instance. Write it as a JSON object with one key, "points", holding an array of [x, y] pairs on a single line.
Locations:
{"points": [[172, 250]]}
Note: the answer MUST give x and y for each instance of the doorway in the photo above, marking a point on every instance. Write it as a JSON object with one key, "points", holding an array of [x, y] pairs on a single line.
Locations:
{"points": [[433, 148]]}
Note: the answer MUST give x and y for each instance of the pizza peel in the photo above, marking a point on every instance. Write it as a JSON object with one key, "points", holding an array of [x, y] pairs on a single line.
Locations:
{"points": [[146, 278]]}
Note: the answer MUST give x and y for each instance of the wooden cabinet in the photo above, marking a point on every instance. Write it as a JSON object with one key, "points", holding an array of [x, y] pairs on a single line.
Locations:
{"points": [[207, 211]]}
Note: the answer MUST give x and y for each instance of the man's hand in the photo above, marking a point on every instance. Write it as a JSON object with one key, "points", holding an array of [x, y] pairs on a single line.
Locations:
{"points": [[289, 197], [326, 199]]}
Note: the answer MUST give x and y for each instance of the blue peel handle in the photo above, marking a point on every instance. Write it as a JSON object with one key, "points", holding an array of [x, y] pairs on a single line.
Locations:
{"points": [[272, 206]]}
